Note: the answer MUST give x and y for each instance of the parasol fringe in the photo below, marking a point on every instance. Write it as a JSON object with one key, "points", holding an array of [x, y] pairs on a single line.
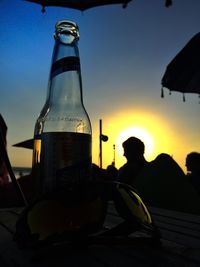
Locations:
{"points": [[183, 97], [168, 3], [43, 10]]}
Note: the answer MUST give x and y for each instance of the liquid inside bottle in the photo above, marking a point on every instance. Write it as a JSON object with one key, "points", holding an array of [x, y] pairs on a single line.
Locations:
{"points": [[62, 138]]}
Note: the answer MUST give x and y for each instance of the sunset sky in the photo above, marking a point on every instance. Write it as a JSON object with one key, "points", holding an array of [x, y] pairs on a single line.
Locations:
{"points": [[124, 54]]}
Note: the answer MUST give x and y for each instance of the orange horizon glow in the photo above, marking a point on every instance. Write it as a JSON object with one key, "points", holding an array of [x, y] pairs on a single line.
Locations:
{"points": [[156, 133], [154, 130]]}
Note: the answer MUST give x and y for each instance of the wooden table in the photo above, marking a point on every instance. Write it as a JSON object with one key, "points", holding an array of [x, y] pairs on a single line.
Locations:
{"points": [[180, 245]]}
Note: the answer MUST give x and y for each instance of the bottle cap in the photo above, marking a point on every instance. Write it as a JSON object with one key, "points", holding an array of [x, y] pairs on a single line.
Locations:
{"points": [[67, 31]]}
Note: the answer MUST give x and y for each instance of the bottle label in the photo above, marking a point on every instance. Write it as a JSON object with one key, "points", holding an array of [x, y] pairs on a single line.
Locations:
{"points": [[65, 64], [65, 159]]}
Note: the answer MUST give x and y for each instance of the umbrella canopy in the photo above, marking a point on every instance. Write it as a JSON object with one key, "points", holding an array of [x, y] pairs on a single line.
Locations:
{"points": [[183, 72], [25, 144], [79, 4], [84, 4]]}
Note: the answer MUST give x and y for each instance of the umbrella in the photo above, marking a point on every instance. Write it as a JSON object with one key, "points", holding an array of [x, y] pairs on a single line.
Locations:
{"points": [[25, 144], [79, 4], [183, 72], [84, 4]]}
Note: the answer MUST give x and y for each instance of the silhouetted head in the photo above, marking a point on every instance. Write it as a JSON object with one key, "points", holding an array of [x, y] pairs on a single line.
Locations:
{"points": [[111, 172], [133, 148], [193, 162]]}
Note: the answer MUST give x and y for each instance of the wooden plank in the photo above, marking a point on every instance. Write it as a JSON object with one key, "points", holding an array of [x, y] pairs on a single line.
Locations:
{"points": [[184, 225], [179, 227], [175, 214], [178, 247], [104, 253], [188, 230]]}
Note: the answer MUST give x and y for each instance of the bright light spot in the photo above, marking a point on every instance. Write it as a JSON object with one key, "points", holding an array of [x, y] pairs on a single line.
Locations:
{"points": [[140, 133], [154, 130]]}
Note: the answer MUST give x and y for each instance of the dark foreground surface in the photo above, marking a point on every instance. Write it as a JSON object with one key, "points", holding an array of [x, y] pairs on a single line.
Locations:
{"points": [[180, 245]]}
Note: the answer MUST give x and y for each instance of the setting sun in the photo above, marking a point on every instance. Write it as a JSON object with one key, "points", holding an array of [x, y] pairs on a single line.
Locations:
{"points": [[139, 133], [154, 130]]}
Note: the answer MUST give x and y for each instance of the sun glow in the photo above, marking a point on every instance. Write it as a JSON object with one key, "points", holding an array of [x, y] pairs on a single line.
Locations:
{"points": [[139, 133], [156, 133]]}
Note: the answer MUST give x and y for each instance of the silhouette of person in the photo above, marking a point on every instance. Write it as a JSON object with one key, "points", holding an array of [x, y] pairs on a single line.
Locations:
{"points": [[134, 152], [161, 182], [193, 168], [111, 172]]}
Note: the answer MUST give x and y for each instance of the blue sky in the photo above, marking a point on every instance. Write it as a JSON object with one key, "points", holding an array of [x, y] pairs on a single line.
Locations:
{"points": [[124, 53]]}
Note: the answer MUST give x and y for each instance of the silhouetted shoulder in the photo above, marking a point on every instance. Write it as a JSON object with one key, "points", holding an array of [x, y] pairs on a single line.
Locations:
{"points": [[167, 165], [163, 184]]}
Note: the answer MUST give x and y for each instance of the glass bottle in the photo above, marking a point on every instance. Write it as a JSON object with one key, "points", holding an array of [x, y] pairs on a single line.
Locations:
{"points": [[62, 137]]}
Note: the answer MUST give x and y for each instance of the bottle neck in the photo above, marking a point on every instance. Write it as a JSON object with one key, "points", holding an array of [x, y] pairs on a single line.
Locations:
{"points": [[65, 84], [64, 110]]}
